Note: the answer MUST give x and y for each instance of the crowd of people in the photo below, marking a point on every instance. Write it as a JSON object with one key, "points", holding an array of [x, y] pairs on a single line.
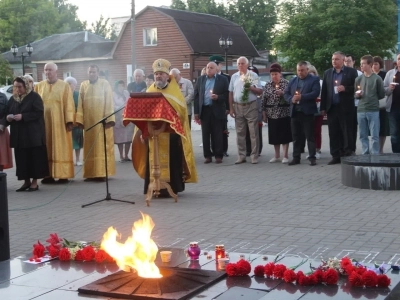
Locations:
{"points": [[47, 121]]}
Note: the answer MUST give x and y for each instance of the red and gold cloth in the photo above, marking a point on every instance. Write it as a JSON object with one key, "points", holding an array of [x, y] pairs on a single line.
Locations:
{"points": [[144, 107]]}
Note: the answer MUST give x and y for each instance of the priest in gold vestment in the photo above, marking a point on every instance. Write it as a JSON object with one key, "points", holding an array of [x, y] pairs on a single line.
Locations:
{"points": [[175, 152], [96, 102], [59, 112]]}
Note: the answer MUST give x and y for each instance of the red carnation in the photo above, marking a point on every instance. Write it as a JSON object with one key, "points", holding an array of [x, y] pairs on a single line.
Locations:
{"points": [[349, 269], [244, 267], [331, 276], [259, 271], [79, 256], [289, 275], [38, 250], [319, 275], [88, 253], [64, 254], [369, 278], [298, 275], [53, 250], [279, 270], [383, 281], [231, 269], [312, 279], [269, 269], [345, 262], [361, 270], [303, 280], [101, 256], [54, 239], [355, 279]]}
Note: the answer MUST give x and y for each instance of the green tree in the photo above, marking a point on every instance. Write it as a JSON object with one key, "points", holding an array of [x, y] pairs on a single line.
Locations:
{"points": [[104, 28], [5, 71], [258, 18], [24, 21], [314, 29]]}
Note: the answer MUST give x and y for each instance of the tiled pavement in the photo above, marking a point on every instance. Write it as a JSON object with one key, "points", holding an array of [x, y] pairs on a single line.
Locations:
{"points": [[264, 208]]}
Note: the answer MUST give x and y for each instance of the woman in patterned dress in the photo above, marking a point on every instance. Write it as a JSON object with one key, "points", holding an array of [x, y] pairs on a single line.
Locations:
{"points": [[276, 112]]}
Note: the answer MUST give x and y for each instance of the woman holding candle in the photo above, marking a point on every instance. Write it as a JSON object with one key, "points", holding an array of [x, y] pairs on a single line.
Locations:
{"points": [[383, 115], [276, 112]]}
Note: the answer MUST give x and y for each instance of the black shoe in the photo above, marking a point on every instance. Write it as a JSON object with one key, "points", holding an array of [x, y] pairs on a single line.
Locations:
{"points": [[334, 161], [48, 180], [23, 188], [313, 162], [33, 189], [62, 181], [226, 154], [294, 162]]}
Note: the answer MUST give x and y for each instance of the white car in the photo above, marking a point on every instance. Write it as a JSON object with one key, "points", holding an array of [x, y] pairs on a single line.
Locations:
{"points": [[7, 90]]}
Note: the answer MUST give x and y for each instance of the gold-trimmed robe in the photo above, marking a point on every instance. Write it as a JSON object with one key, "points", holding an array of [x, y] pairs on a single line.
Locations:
{"points": [[59, 109], [139, 150], [96, 102]]}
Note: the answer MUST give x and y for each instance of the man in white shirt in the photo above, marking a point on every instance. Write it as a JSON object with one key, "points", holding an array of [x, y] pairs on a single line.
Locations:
{"points": [[187, 90], [243, 91]]}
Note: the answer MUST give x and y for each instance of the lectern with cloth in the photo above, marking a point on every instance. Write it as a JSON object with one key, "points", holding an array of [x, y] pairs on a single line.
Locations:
{"points": [[156, 118]]}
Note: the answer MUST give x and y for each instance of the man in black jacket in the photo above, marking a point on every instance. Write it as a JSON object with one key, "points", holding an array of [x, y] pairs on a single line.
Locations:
{"points": [[337, 100], [210, 96]]}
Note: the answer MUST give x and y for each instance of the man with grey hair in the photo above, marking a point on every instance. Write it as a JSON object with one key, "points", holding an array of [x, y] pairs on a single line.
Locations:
{"points": [[187, 90], [59, 115], [138, 84], [243, 91], [337, 101]]}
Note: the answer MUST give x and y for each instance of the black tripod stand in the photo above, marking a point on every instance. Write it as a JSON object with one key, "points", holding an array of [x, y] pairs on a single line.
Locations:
{"points": [[108, 195]]}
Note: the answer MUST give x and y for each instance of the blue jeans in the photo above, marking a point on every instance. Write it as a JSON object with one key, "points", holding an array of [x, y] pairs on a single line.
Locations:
{"points": [[369, 120], [394, 123]]}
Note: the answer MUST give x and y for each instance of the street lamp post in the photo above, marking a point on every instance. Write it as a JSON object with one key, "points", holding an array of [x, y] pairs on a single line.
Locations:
{"points": [[29, 50], [225, 44]]}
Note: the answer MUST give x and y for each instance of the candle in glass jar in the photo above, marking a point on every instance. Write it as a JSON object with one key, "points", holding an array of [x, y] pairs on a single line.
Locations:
{"points": [[219, 252], [394, 78]]}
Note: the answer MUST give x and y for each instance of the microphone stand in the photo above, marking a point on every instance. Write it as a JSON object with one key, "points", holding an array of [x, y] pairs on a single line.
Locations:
{"points": [[108, 195]]}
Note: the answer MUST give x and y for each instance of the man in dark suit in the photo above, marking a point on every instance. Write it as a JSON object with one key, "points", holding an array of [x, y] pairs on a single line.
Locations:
{"points": [[301, 94], [219, 60], [210, 96], [337, 100]]}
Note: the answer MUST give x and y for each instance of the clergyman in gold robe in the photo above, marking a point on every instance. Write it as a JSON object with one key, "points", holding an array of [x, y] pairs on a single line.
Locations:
{"points": [[59, 112], [96, 102], [175, 152]]}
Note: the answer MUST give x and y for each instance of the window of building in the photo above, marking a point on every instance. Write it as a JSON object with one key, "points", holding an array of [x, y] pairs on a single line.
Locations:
{"points": [[67, 74], [150, 37]]}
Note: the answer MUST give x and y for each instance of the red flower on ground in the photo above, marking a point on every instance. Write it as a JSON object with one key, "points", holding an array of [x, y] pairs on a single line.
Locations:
{"points": [[79, 256], [38, 249], [319, 275], [269, 269], [360, 270], [303, 280], [289, 275], [53, 250], [231, 269], [312, 279], [64, 254], [88, 253], [369, 278], [53, 239], [355, 279], [349, 269], [279, 270], [244, 267], [331, 276], [345, 262], [259, 271], [299, 274], [101, 256], [383, 281]]}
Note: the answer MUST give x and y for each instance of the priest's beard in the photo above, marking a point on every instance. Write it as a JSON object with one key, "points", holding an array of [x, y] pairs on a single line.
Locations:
{"points": [[161, 84]]}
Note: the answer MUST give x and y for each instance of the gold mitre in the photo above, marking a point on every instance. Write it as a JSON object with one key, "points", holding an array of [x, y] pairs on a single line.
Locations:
{"points": [[161, 65]]}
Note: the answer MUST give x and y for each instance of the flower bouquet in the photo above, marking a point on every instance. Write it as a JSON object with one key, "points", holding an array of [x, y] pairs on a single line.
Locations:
{"points": [[248, 82]]}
